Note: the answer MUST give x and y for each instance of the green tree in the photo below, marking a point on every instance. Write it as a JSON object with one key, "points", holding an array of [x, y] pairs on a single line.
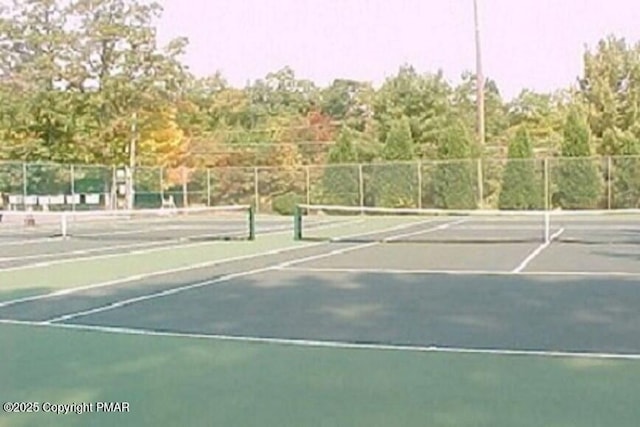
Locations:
{"points": [[453, 178], [625, 168], [579, 183], [341, 177], [520, 186], [610, 89], [394, 184]]}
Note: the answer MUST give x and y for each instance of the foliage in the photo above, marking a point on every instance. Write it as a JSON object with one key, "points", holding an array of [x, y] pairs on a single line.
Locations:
{"points": [[341, 179], [285, 204], [394, 185], [625, 170], [453, 181], [579, 183], [520, 185]]}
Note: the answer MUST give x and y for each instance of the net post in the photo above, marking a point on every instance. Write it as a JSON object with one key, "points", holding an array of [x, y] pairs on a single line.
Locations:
{"points": [[297, 223], [252, 223]]}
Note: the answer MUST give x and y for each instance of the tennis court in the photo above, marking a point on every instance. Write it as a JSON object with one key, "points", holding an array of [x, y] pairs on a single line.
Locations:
{"points": [[364, 320]]}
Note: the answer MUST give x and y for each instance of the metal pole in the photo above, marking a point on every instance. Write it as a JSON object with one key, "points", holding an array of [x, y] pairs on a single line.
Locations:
{"points": [[547, 204], [185, 187], [208, 187], [479, 78], [480, 184], [73, 188], [256, 193], [609, 183], [308, 184], [361, 187], [419, 184], [24, 186], [132, 160], [162, 201], [114, 188]]}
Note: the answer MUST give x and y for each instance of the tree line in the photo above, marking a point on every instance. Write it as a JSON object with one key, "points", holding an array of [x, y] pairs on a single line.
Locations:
{"points": [[80, 78]]}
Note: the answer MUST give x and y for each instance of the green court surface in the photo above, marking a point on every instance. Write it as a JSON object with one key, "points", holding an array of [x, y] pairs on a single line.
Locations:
{"points": [[200, 382], [193, 377]]}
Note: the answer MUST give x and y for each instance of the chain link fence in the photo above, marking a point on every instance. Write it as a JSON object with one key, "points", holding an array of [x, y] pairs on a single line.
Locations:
{"points": [[522, 184]]}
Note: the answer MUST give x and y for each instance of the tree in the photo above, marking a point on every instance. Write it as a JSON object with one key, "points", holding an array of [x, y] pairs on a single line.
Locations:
{"points": [[520, 186], [625, 171], [341, 177], [610, 88], [453, 183], [394, 184], [579, 183]]}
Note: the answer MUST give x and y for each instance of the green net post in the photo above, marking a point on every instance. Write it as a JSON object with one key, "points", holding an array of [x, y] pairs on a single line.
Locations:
{"points": [[252, 223], [297, 223]]}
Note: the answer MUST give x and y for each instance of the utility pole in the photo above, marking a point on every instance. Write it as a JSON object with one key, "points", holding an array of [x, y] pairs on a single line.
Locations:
{"points": [[479, 79]]}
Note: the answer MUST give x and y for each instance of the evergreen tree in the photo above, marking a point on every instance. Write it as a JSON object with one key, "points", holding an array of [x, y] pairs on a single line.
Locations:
{"points": [[394, 184], [453, 178], [579, 183], [520, 186], [341, 178], [626, 169]]}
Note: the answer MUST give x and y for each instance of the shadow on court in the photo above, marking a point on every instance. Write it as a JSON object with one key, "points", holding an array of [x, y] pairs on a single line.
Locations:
{"points": [[572, 314]]}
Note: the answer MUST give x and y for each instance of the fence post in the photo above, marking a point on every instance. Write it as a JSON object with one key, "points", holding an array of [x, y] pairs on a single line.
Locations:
{"points": [[208, 187], [547, 204], [162, 185], [308, 184], [419, 184], [480, 179], [24, 186], [185, 187], [361, 187], [256, 191], [73, 187], [609, 183]]}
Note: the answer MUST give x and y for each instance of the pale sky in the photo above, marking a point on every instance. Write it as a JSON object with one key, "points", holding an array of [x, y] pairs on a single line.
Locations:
{"points": [[535, 44]]}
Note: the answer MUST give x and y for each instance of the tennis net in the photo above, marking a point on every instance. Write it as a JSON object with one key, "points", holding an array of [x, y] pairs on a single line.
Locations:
{"points": [[365, 224], [208, 223]]}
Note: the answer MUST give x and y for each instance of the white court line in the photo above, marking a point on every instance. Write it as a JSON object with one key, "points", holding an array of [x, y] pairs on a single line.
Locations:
{"points": [[137, 277], [336, 345], [25, 242], [392, 271], [537, 252], [80, 251], [225, 278], [369, 244], [147, 297], [162, 248]]}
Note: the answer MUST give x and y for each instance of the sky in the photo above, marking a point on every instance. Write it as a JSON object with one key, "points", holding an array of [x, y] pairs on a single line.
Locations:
{"points": [[533, 44]]}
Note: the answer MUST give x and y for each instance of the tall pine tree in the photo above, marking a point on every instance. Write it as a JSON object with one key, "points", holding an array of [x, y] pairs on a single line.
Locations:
{"points": [[394, 184], [578, 179], [341, 178], [625, 171], [520, 185], [453, 177]]}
